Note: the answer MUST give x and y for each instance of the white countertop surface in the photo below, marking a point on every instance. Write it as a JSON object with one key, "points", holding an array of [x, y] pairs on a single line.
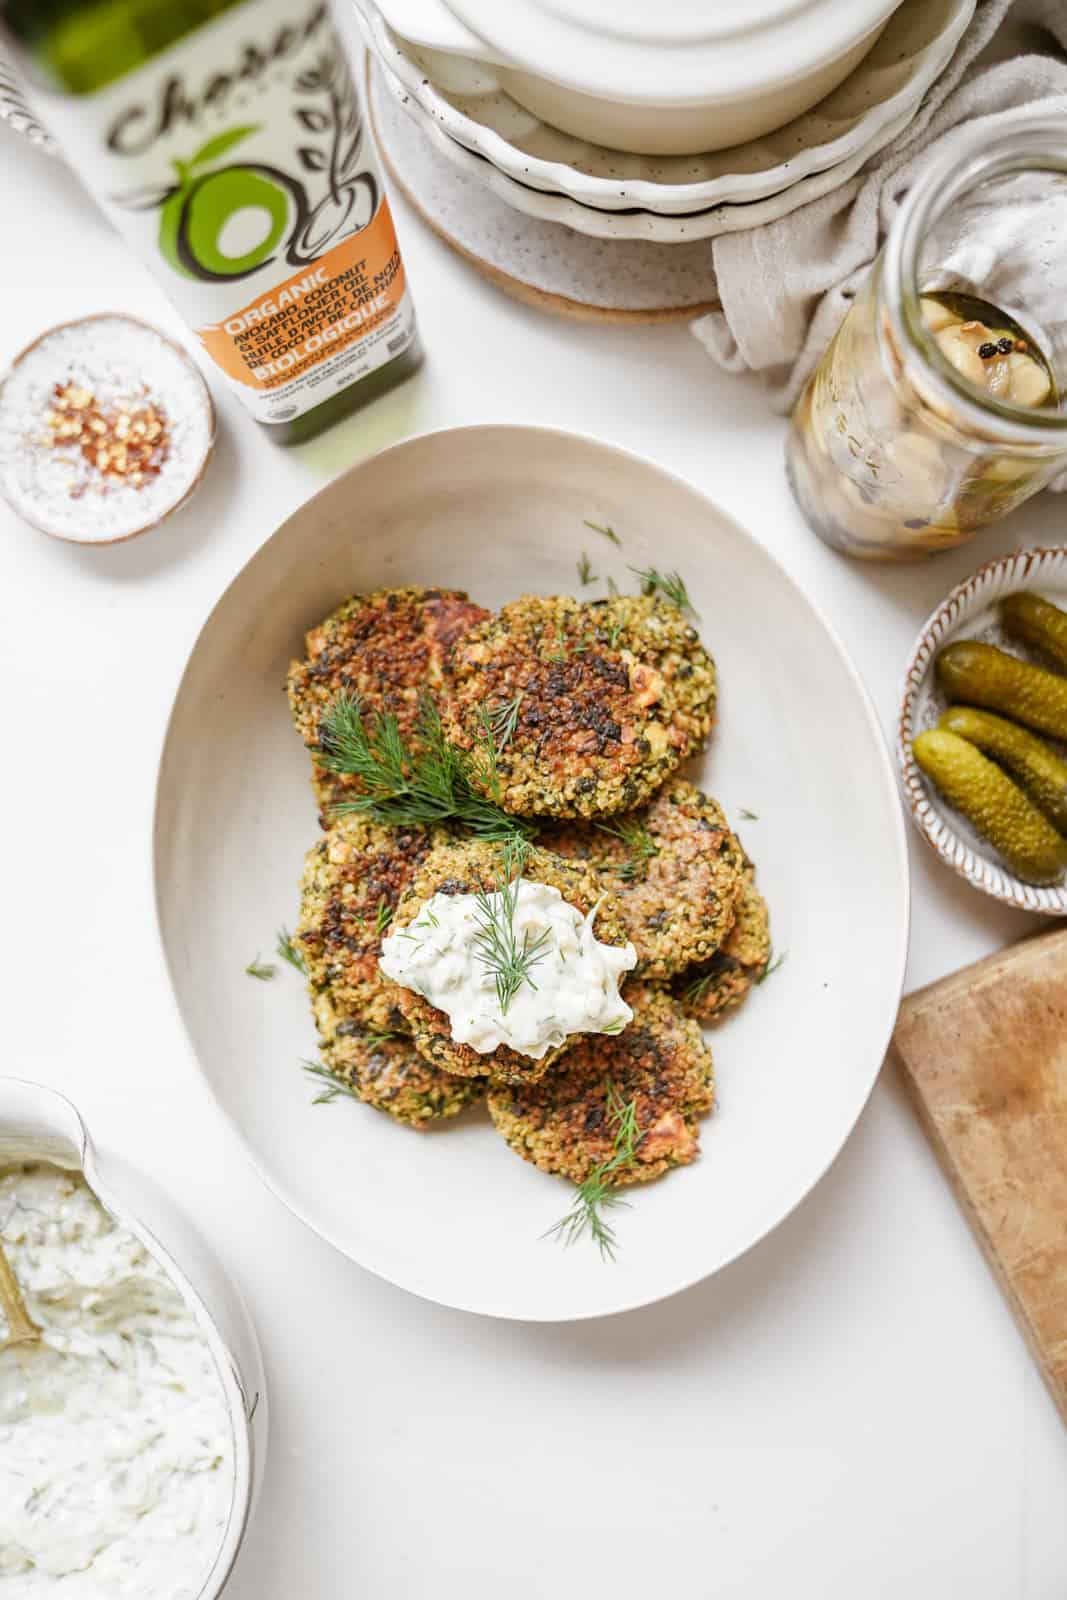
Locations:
{"points": [[848, 1413]]}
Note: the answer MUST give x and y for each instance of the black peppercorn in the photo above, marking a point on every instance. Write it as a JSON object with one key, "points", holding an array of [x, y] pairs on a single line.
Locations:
{"points": [[1005, 346], [987, 350]]}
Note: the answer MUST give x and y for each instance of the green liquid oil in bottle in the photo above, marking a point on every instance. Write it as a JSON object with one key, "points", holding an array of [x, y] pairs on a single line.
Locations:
{"points": [[226, 141]]}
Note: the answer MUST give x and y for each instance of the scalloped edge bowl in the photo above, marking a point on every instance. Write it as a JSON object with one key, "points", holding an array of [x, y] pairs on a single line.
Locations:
{"points": [[871, 128], [966, 613]]}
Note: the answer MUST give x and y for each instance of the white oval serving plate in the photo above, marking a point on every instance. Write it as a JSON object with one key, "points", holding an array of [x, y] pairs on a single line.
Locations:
{"points": [[969, 612], [451, 1214], [468, 101], [387, 93]]}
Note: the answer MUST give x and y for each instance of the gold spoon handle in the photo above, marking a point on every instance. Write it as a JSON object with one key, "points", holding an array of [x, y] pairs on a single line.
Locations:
{"points": [[20, 1325]]}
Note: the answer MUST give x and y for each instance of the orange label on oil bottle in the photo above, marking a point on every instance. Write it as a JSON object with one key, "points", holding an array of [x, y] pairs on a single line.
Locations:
{"points": [[350, 294]]}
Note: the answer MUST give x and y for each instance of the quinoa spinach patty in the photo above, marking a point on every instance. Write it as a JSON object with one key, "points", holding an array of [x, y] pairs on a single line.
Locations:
{"points": [[676, 869], [562, 1122], [723, 982], [594, 705], [384, 649], [353, 879], [386, 1071]]}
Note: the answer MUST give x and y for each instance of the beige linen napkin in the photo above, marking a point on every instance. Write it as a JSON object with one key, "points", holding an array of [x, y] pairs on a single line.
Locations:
{"points": [[785, 287]]}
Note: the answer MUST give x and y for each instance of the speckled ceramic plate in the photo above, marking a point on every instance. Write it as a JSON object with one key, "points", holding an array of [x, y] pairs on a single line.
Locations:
{"points": [[387, 91], [970, 612], [467, 102], [452, 1214]]}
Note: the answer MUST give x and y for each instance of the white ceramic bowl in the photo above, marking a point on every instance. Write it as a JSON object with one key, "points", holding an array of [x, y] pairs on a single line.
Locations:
{"points": [[37, 1124], [451, 1214], [388, 96], [657, 80], [969, 612], [468, 101]]}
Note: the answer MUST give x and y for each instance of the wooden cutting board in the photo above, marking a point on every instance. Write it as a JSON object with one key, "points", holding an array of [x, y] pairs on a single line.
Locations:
{"points": [[984, 1053]]}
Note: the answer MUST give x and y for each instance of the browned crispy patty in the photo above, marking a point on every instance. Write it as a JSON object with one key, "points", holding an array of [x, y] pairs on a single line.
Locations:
{"points": [[564, 1123], [464, 868], [352, 881], [676, 869], [384, 649], [723, 982], [385, 1070], [600, 703]]}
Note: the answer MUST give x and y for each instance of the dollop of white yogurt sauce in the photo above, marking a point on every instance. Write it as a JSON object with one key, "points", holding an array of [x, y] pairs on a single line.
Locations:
{"points": [[573, 985], [116, 1446]]}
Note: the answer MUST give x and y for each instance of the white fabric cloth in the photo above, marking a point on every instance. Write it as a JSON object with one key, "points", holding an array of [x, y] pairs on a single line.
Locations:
{"points": [[785, 287]]}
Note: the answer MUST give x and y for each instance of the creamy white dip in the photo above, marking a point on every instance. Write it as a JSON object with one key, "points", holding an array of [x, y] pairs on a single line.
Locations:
{"points": [[572, 985], [116, 1447]]}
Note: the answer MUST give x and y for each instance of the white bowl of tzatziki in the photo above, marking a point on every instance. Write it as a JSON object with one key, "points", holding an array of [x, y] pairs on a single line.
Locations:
{"points": [[133, 1428]]}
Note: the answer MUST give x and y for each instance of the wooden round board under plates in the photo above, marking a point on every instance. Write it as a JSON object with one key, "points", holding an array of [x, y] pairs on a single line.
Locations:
{"points": [[543, 264]]}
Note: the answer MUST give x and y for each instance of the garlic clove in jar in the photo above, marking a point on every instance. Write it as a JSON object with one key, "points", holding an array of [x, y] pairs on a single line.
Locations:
{"points": [[1029, 383], [935, 315]]}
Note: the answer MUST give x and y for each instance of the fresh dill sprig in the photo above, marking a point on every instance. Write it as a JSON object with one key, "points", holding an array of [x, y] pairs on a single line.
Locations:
{"points": [[695, 991], [383, 916], [599, 527], [637, 839], [670, 585], [598, 1193], [770, 966], [613, 589], [336, 1086], [586, 575], [288, 951], [263, 970], [497, 945], [614, 629], [496, 729], [748, 816], [415, 787]]}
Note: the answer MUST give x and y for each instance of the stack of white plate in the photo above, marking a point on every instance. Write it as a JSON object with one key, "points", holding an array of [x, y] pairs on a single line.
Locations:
{"points": [[524, 96]]}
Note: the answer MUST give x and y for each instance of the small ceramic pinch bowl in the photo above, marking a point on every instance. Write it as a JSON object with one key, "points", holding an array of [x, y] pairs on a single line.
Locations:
{"points": [[37, 1124], [970, 612]]}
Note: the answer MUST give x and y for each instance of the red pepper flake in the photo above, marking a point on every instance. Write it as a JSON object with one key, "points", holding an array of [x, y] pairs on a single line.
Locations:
{"points": [[126, 443]]}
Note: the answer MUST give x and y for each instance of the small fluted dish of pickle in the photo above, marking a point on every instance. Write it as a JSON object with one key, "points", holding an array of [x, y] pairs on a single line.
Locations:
{"points": [[982, 733]]}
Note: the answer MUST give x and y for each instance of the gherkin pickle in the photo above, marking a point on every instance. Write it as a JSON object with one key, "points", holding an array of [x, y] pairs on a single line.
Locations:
{"points": [[995, 806], [1029, 759], [981, 675], [1036, 622]]}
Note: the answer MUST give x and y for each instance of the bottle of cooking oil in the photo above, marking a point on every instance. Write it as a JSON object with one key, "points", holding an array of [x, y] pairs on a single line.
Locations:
{"points": [[227, 142]]}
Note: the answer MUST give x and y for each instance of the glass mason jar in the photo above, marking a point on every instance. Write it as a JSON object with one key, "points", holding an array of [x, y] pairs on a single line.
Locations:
{"points": [[908, 437]]}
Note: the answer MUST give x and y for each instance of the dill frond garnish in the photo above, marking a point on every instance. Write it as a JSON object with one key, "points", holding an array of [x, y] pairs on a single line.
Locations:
{"points": [[770, 966], [599, 527], [637, 839], [670, 585], [263, 970], [416, 787], [613, 589], [586, 575], [748, 816], [335, 1086], [504, 956], [288, 951], [383, 916], [695, 991], [598, 1193], [496, 730]]}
